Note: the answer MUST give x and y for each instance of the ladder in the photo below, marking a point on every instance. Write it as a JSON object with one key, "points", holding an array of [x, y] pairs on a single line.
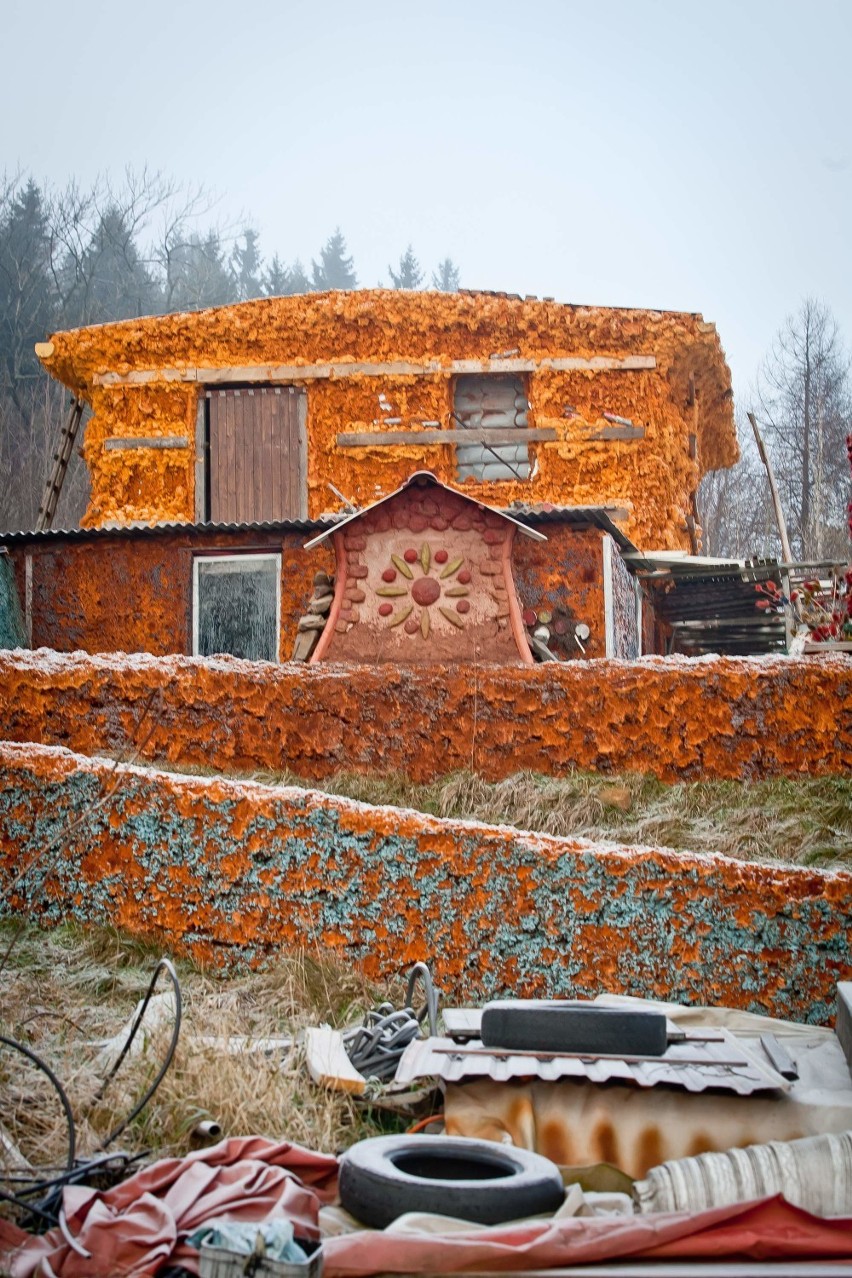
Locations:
{"points": [[61, 458]]}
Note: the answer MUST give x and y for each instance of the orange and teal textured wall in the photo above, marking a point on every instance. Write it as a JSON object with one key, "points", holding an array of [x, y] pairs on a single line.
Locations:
{"points": [[232, 872], [664, 371], [676, 719]]}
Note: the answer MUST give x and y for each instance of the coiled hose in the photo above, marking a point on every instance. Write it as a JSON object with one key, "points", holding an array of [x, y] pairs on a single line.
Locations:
{"points": [[375, 1047]]}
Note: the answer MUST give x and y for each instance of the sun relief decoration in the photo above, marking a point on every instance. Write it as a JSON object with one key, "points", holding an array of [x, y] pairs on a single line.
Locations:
{"points": [[418, 584]]}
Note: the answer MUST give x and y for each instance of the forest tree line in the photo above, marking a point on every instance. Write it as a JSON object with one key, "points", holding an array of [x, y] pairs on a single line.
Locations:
{"points": [[145, 245]]}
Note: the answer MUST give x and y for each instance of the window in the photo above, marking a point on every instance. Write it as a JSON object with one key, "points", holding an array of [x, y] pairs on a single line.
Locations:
{"points": [[491, 402], [237, 606]]}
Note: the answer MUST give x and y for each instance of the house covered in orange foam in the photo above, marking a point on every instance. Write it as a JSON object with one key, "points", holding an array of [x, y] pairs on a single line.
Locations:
{"points": [[221, 439]]}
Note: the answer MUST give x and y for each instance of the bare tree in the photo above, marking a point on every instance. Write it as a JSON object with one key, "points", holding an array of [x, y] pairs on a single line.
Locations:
{"points": [[734, 506], [28, 433], [804, 408]]}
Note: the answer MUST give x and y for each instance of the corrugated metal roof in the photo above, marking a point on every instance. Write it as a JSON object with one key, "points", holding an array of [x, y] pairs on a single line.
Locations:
{"points": [[712, 605], [153, 530], [597, 516], [714, 1060]]}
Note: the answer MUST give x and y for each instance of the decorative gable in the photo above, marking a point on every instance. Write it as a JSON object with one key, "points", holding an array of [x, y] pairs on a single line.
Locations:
{"points": [[425, 576]]}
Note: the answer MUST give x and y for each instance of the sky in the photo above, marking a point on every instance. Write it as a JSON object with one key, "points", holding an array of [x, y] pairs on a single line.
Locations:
{"points": [[661, 153]]}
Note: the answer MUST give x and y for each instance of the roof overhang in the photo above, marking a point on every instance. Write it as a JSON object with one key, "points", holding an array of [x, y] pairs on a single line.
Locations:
{"points": [[421, 479]]}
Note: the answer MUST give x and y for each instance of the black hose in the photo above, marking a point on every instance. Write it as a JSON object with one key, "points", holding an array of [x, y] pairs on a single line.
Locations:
{"points": [[58, 1088], [164, 965], [46, 1211]]}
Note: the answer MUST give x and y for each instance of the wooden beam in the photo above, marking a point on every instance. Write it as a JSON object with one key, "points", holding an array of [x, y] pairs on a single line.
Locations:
{"points": [[476, 435], [619, 432], [146, 441], [280, 373]]}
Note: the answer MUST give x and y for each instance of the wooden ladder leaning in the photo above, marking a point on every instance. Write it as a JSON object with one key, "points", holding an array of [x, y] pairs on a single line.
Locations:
{"points": [[61, 458]]}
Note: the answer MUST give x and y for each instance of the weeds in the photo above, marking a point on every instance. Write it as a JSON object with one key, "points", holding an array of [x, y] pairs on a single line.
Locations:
{"points": [[69, 989]]}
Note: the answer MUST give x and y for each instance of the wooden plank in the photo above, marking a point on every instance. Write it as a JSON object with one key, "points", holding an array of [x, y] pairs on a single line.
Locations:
{"points": [[120, 443], [231, 457], [285, 456], [300, 399], [619, 432], [476, 435], [328, 1063], [271, 451], [600, 363], [258, 373], [200, 459]]}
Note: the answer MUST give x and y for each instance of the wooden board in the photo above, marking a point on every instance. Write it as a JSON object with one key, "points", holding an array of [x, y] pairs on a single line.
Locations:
{"points": [[271, 373], [256, 466], [475, 435], [146, 441]]}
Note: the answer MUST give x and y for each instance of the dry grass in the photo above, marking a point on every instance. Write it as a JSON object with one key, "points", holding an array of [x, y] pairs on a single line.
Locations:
{"points": [[65, 991], [790, 821], [805, 821]]}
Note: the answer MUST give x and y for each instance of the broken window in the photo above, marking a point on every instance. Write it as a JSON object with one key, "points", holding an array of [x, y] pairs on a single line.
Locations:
{"points": [[498, 402], [237, 606]]}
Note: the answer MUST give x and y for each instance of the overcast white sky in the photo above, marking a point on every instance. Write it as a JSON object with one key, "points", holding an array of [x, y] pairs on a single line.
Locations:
{"points": [[664, 153]]}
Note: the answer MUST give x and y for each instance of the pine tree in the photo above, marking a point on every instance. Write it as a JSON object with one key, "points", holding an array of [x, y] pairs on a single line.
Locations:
{"points": [[334, 269], [297, 279], [246, 267], [109, 280], [275, 278], [197, 275], [27, 305], [409, 274], [446, 277], [283, 281]]}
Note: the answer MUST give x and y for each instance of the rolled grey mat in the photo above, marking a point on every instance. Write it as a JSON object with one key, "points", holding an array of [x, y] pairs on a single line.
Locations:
{"points": [[814, 1173]]}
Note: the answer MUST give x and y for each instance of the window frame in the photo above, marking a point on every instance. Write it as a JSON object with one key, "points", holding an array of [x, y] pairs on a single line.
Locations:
{"points": [[230, 557], [522, 376]]}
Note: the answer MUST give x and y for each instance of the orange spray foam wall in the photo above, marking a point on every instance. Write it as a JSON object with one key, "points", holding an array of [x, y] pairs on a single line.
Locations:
{"points": [[672, 717], [653, 476], [237, 871]]}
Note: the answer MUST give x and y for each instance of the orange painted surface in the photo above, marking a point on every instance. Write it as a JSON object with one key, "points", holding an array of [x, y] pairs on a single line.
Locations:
{"points": [[674, 718], [134, 594], [653, 477], [227, 871]]}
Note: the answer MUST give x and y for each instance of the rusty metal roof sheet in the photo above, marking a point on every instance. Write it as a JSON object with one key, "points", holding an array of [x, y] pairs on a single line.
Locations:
{"points": [[153, 530], [699, 1062], [602, 517]]}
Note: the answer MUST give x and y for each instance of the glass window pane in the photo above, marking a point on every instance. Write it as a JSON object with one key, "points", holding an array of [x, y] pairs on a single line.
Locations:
{"points": [[238, 607]]}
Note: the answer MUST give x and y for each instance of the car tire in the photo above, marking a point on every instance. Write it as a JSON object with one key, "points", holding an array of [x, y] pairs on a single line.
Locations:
{"points": [[478, 1180]]}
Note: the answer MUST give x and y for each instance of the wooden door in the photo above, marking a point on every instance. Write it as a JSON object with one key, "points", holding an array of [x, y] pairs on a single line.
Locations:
{"points": [[257, 463]]}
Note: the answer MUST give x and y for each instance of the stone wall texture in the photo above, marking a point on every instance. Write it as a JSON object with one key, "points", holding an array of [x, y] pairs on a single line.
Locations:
{"points": [[676, 718], [236, 871], [653, 476]]}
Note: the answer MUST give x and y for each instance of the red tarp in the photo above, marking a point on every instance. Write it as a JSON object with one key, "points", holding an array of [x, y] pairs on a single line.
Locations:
{"points": [[139, 1225]]}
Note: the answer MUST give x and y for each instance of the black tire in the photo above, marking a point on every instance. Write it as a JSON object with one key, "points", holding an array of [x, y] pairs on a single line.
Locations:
{"points": [[382, 1178], [530, 1025]]}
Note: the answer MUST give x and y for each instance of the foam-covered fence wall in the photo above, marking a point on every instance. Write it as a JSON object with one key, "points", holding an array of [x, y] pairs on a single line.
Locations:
{"points": [[228, 870], [676, 718]]}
